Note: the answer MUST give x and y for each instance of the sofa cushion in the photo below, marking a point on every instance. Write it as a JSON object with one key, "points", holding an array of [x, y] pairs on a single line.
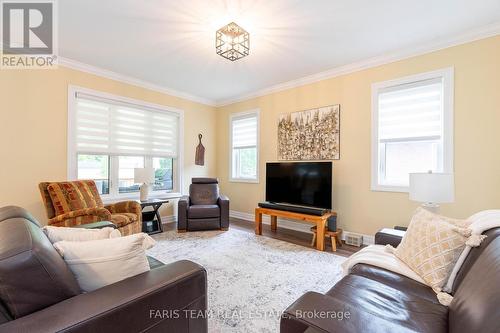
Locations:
{"points": [[203, 194], [74, 195], [396, 281], [203, 211], [32, 274], [380, 307]]}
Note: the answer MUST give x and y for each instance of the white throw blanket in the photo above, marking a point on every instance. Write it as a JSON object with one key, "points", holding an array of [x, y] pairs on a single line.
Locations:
{"points": [[377, 255]]}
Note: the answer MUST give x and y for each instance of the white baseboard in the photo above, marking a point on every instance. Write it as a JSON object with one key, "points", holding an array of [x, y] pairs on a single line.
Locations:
{"points": [[168, 219], [291, 224]]}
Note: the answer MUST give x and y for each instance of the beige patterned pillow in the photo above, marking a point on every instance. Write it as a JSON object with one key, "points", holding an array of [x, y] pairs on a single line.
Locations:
{"points": [[432, 245]]}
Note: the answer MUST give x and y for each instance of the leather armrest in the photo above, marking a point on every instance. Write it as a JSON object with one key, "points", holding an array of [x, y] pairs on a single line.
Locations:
{"points": [[223, 203], [97, 225], [389, 236], [137, 304], [184, 200], [319, 312], [182, 207]]}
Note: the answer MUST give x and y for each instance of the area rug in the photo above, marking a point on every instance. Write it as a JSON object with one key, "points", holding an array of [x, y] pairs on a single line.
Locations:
{"points": [[251, 279]]}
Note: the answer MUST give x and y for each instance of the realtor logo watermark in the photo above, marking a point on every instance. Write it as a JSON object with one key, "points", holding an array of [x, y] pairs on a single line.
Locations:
{"points": [[29, 39]]}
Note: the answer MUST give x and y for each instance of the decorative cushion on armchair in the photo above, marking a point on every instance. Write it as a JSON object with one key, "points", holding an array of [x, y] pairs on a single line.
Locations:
{"points": [[204, 208], [74, 203]]}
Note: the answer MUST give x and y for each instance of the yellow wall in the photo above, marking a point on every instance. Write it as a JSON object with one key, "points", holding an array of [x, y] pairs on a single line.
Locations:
{"points": [[477, 136], [33, 134], [33, 130]]}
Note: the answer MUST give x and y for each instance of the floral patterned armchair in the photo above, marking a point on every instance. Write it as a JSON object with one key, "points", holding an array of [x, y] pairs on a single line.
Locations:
{"points": [[73, 203]]}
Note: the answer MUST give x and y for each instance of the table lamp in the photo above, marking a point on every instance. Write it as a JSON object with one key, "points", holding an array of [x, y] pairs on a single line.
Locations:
{"points": [[432, 189], [144, 176]]}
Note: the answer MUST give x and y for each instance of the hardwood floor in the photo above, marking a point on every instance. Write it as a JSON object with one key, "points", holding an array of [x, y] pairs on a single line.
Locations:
{"points": [[292, 236]]}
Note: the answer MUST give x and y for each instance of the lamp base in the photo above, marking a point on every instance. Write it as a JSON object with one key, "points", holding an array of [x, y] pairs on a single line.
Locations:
{"points": [[431, 207], [144, 194]]}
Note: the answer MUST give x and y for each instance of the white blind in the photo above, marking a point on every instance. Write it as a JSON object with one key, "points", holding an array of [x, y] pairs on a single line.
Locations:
{"points": [[411, 111], [244, 131], [112, 127]]}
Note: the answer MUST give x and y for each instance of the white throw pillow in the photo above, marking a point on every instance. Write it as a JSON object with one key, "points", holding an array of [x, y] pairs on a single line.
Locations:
{"points": [[57, 234], [98, 263]]}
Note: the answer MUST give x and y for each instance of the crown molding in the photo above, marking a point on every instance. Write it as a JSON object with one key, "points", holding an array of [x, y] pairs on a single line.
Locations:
{"points": [[76, 65], [477, 34]]}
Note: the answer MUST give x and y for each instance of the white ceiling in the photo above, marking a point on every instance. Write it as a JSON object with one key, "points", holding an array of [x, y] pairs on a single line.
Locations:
{"points": [[171, 43]]}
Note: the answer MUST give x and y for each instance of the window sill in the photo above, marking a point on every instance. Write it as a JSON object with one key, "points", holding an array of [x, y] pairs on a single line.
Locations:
{"points": [[243, 180], [160, 195], [390, 188]]}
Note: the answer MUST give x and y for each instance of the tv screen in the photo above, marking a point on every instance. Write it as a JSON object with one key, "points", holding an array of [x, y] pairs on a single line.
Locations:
{"points": [[300, 183]]}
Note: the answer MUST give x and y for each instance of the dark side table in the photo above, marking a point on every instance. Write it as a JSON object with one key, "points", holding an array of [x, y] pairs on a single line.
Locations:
{"points": [[151, 219]]}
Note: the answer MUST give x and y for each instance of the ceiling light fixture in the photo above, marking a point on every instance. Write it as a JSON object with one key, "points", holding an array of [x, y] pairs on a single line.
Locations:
{"points": [[232, 42]]}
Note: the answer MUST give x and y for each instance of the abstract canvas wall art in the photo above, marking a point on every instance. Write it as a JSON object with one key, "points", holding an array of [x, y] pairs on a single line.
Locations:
{"points": [[310, 135]]}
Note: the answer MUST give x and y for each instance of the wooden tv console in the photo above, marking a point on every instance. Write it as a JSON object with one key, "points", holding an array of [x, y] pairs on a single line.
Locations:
{"points": [[319, 221]]}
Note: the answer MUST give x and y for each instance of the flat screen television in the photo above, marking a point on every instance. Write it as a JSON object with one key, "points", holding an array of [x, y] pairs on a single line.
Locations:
{"points": [[300, 183]]}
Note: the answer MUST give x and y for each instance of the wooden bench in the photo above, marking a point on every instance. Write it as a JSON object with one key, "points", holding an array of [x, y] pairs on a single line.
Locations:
{"points": [[318, 221]]}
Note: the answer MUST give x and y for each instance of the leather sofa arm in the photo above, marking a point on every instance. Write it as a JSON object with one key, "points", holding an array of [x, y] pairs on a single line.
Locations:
{"points": [[148, 301], [223, 203], [182, 207], [64, 220], [320, 312], [97, 225], [388, 236]]}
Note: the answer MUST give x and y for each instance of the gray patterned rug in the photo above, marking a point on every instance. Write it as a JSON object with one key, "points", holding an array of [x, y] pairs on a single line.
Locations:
{"points": [[251, 279]]}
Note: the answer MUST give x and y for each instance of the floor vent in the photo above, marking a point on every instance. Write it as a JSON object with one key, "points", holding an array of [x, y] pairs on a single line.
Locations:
{"points": [[354, 239]]}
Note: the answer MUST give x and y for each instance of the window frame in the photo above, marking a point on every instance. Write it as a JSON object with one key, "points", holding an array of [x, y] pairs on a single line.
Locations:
{"points": [[447, 77], [72, 162], [235, 116]]}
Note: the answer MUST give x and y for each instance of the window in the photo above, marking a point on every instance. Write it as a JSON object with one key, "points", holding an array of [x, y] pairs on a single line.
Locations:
{"points": [[244, 136], [412, 129], [126, 166], [163, 173], [95, 167], [109, 136]]}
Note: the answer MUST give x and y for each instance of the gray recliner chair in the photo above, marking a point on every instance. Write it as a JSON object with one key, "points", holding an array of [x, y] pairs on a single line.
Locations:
{"points": [[204, 208]]}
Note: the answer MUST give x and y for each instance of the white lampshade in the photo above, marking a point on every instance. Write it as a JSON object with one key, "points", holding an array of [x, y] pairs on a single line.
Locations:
{"points": [[144, 175], [432, 187]]}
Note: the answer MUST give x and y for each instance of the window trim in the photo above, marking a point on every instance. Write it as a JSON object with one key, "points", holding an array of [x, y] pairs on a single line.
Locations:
{"points": [[72, 152], [233, 116], [447, 75]]}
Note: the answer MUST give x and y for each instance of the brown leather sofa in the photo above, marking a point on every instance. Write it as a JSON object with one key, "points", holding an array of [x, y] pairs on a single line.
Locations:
{"points": [[377, 300], [204, 208], [38, 292]]}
